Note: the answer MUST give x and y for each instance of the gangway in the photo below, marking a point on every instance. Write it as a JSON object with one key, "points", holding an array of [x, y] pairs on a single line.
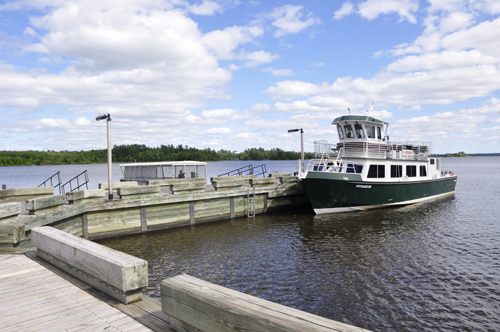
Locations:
{"points": [[248, 170], [83, 177], [52, 180]]}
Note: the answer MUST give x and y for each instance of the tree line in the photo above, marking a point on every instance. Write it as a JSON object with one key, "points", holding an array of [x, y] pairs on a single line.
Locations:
{"points": [[142, 153]]}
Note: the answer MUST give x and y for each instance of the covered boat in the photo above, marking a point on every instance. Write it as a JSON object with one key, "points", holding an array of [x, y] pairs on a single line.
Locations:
{"points": [[365, 170]]}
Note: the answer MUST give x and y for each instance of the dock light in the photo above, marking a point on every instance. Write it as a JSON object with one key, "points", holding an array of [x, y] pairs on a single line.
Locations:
{"points": [[301, 146], [110, 176]]}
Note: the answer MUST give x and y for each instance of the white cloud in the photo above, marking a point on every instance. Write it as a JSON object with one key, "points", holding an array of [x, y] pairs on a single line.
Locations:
{"points": [[259, 57], [218, 130], [318, 64], [124, 56], [205, 8], [279, 72], [288, 90], [346, 9], [224, 42], [371, 9], [288, 20]]}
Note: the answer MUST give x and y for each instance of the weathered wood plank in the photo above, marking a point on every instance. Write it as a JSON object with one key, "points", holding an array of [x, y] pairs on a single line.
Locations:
{"points": [[11, 233], [138, 190], [117, 185], [9, 210], [169, 182], [117, 274], [45, 202], [26, 191], [84, 194], [212, 308], [279, 175]]}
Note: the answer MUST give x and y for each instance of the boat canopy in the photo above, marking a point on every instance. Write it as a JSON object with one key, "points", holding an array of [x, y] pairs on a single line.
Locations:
{"points": [[142, 172]]}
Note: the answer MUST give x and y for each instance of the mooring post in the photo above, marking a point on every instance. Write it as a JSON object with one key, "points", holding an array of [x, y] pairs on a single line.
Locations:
{"points": [[4, 186], [85, 226], [144, 220]]}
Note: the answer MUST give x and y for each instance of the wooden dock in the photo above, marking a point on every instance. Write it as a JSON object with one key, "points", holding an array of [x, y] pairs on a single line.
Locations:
{"points": [[39, 297]]}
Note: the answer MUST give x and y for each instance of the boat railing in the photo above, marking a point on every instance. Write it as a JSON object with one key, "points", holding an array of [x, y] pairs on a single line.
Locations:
{"points": [[384, 150], [322, 149]]}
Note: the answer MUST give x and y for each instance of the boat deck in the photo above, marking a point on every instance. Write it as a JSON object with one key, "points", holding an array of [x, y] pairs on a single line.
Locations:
{"points": [[39, 297]]}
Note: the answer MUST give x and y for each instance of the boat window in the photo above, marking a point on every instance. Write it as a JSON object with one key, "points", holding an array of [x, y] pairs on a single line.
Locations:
{"points": [[341, 133], [432, 161], [379, 135], [370, 131], [411, 171], [359, 131], [376, 171], [423, 170], [349, 133], [396, 171]]}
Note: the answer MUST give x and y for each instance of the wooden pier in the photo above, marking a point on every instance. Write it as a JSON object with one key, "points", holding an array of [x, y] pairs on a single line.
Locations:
{"points": [[49, 290], [40, 297]]}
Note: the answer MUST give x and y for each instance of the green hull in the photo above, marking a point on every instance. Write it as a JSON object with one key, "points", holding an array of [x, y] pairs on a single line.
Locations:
{"points": [[340, 192]]}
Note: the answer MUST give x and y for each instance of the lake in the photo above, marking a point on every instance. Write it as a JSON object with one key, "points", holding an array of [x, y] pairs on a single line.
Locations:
{"points": [[432, 266]]}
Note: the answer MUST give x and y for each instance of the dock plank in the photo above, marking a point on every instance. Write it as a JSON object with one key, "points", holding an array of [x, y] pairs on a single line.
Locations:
{"points": [[43, 300]]}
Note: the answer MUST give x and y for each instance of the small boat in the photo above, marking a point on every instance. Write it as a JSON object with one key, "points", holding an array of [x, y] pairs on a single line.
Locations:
{"points": [[144, 172], [365, 170]]}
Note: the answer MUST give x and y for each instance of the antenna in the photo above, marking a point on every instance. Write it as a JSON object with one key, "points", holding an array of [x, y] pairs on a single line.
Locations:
{"points": [[349, 109], [370, 110]]}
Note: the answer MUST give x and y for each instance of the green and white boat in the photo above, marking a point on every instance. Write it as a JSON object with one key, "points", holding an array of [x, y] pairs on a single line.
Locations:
{"points": [[366, 170]]}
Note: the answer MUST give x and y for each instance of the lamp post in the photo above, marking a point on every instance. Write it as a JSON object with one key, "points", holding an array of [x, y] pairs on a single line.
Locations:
{"points": [[110, 176], [301, 146]]}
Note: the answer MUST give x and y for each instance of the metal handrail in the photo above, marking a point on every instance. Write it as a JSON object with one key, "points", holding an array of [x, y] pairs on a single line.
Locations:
{"points": [[248, 170], [78, 185], [59, 179]]}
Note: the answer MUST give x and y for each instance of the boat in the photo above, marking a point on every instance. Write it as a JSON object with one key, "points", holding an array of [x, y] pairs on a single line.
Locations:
{"points": [[366, 170], [144, 172]]}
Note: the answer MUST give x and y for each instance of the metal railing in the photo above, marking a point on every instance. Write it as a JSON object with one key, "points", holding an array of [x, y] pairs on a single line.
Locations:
{"points": [[377, 150], [51, 180], [78, 185], [248, 170]]}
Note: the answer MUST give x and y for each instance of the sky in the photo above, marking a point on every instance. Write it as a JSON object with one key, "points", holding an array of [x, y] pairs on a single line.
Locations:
{"points": [[234, 74]]}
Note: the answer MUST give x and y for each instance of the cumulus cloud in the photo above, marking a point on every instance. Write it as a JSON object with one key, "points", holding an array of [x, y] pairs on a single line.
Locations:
{"points": [[371, 9], [224, 42], [346, 9], [259, 57], [288, 19]]}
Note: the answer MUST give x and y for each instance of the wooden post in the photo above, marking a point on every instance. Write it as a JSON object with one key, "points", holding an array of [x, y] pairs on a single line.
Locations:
{"points": [[265, 202], [231, 206], [191, 212], [4, 186], [144, 220], [85, 226]]}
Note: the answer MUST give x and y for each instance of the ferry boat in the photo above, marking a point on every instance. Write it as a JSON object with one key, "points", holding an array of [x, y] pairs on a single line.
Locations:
{"points": [[365, 170]]}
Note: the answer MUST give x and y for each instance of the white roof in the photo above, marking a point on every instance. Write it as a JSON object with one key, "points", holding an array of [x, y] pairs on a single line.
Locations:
{"points": [[168, 163]]}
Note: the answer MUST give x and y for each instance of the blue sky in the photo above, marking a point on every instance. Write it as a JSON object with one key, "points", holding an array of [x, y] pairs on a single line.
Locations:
{"points": [[238, 74]]}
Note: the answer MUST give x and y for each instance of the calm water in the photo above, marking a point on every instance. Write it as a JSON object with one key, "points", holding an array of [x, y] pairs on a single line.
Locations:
{"points": [[32, 176], [428, 267]]}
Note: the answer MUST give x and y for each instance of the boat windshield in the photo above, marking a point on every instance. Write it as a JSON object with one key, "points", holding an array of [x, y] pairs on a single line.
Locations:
{"points": [[341, 133], [370, 131], [359, 131], [349, 133]]}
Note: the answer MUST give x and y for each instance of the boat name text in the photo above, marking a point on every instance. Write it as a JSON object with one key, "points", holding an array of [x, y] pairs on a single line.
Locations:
{"points": [[363, 186]]}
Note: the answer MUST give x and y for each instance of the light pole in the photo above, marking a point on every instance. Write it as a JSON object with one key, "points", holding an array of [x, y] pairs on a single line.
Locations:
{"points": [[110, 176], [301, 146]]}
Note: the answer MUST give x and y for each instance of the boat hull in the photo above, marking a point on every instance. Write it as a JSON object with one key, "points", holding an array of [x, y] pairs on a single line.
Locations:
{"points": [[340, 192]]}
